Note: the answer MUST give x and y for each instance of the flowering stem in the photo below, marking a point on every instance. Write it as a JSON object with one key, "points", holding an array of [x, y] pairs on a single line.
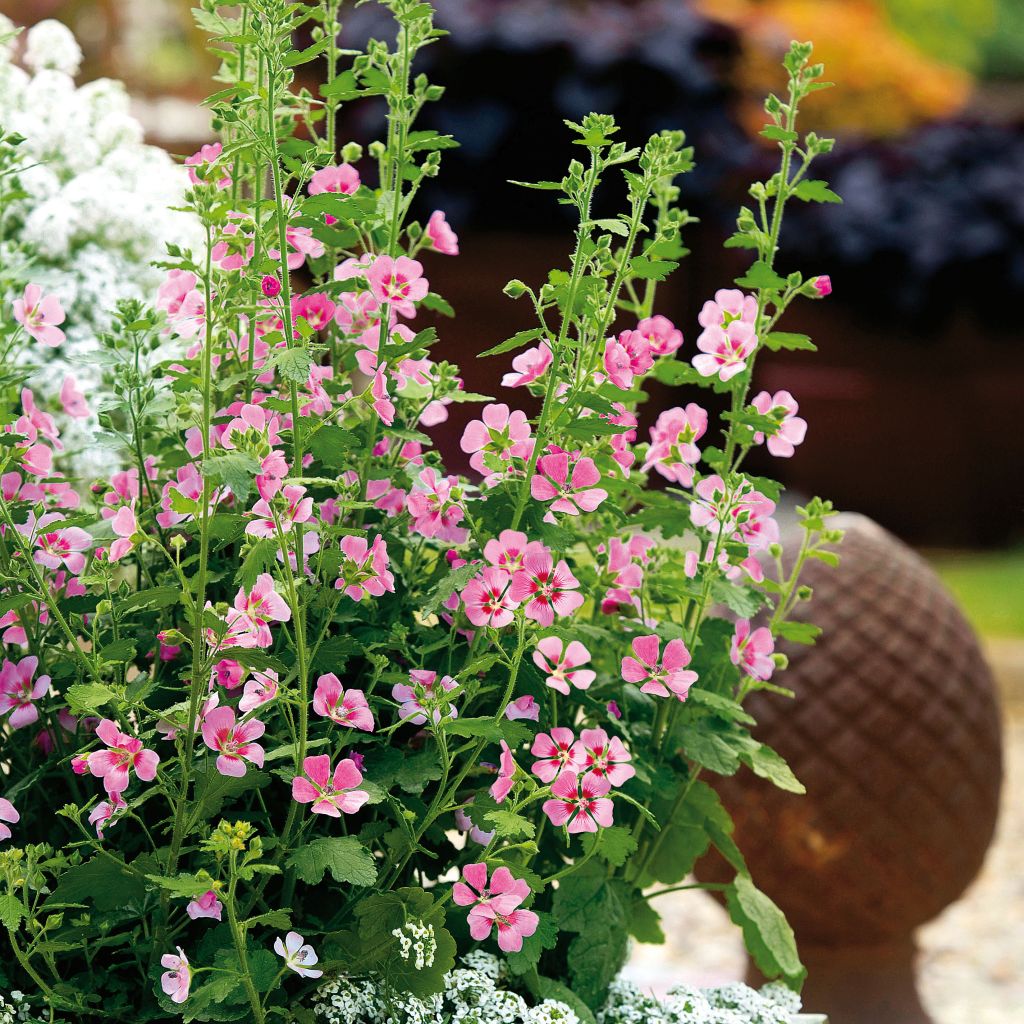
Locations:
{"points": [[238, 937], [582, 234]]}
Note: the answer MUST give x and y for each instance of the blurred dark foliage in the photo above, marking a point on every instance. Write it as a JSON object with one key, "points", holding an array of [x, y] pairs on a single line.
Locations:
{"points": [[513, 69], [930, 227]]}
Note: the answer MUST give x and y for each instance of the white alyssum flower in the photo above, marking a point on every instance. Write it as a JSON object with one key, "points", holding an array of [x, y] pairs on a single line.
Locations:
{"points": [[51, 44], [416, 942]]}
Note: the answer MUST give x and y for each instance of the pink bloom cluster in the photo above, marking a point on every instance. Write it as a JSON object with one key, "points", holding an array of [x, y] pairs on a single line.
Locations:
{"points": [[495, 904]]}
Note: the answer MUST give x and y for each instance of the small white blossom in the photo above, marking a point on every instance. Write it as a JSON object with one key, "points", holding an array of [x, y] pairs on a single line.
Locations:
{"points": [[53, 45]]}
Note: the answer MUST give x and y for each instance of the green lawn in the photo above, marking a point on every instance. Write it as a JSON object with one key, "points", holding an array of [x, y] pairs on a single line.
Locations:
{"points": [[989, 586]]}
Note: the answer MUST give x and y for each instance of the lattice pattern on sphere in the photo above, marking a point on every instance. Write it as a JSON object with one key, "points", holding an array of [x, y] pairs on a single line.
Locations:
{"points": [[895, 733]]}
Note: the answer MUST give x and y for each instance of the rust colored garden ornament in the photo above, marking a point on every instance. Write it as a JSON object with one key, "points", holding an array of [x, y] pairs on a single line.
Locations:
{"points": [[895, 732]]}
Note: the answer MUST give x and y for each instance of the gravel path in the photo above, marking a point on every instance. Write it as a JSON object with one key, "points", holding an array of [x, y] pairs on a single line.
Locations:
{"points": [[972, 956]]}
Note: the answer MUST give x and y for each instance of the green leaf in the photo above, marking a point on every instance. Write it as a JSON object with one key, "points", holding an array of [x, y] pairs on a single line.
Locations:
{"points": [[651, 270], [516, 341], [709, 750], [674, 372], [184, 885], [615, 845], [509, 825], [798, 632], [595, 957], [12, 913], [548, 988], [744, 601], [105, 882], [236, 470], [766, 933], [262, 554], [332, 446], [344, 856], [760, 275], [436, 304], [453, 581], [545, 937], [294, 363], [778, 133], [771, 765], [645, 923], [779, 340], [214, 789], [88, 698], [816, 192], [586, 896], [482, 728], [155, 597]]}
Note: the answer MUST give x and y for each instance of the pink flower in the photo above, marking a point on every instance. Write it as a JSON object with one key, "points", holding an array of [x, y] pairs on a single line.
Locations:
{"points": [[106, 812], [234, 743], [382, 404], [508, 550], [259, 690], [562, 667], [501, 434], [523, 708], [425, 695], [39, 315], [557, 752], [580, 803], [301, 244], [822, 285], [661, 334], [206, 905], [175, 981], [528, 366], [364, 569], [744, 514], [316, 308], [299, 956], [627, 357], [572, 494], [670, 676], [330, 796], [729, 304], [752, 651], [547, 589], [506, 774], [673, 452], [343, 707], [114, 765], [442, 238], [73, 400], [227, 673], [201, 168], [17, 691], [607, 759], [792, 429], [58, 547], [176, 286], [261, 606], [270, 286], [343, 179], [496, 904], [9, 815], [125, 527], [398, 282], [475, 890], [724, 351], [434, 506], [294, 508], [503, 912], [488, 600]]}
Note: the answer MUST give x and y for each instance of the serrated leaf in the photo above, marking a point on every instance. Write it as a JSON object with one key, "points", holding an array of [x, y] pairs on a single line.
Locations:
{"points": [[12, 913], [651, 270], [798, 632], [516, 341], [778, 341], [235, 470], [448, 585], [595, 957], [815, 192], [332, 446], [344, 856], [778, 133], [482, 728], [88, 698], [771, 765], [509, 825], [760, 275]]}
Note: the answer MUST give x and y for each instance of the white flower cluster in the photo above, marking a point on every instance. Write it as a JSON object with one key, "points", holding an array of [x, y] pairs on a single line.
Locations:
{"points": [[416, 940], [13, 1008], [472, 995], [729, 1004], [95, 212]]}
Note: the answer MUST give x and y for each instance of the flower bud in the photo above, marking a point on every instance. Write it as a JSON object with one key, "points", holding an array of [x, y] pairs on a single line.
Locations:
{"points": [[271, 286]]}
